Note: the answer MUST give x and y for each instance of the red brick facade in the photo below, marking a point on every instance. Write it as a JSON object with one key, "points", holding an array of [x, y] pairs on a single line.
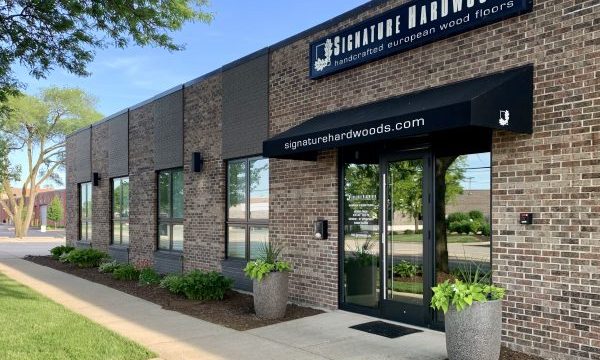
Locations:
{"points": [[551, 269]]}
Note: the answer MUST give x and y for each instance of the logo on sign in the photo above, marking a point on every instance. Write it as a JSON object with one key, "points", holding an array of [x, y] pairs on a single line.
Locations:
{"points": [[504, 117], [326, 50]]}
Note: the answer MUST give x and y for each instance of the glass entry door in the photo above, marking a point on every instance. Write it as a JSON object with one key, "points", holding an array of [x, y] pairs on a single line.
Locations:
{"points": [[405, 238]]}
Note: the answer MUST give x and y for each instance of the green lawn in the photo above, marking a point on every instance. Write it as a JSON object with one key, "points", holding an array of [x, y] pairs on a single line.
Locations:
{"points": [[408, 287], [452, 238], [33, 327]]}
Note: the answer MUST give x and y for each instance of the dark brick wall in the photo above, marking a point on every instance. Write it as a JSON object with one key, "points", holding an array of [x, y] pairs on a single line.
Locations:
{"points": [[245, 107], [118, 149], [204, 223]]}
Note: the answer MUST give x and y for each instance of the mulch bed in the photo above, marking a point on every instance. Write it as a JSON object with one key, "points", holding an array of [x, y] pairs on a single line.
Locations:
{"points": [[508, 354], [235, 311]]}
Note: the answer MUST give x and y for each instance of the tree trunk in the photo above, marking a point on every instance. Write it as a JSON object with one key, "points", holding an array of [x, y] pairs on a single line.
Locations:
{"points": [[416, 223], [441, 233]]}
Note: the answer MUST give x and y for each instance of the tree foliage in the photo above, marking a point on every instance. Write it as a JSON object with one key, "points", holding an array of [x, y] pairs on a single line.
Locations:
{"points": [[55, 210], [43, 35], [39, 125]]}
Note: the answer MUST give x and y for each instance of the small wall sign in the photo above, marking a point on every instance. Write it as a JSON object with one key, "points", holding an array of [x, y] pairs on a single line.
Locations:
{"points": [[408, 26]]}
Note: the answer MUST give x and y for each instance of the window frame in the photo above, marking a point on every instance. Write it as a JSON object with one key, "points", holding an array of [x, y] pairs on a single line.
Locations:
{"points": [[87, 219], [170, 221], [121, 219], [247, 222]]}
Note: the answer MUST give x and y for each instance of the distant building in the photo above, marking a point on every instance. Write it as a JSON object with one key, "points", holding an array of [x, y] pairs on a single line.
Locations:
{"points": [[42, 201]]}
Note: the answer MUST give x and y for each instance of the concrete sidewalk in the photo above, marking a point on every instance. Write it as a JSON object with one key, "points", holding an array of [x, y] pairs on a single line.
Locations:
{"points": [[176, 336]]}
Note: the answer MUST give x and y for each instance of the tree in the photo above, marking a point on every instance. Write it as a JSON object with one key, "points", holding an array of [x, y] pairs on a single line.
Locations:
{"points": [[55, 210], [42, 35], [39, 125]]}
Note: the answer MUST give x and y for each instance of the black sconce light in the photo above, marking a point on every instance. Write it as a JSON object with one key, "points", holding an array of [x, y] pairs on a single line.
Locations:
{"points": [[320, 229], [96, 179], [197, 162]]}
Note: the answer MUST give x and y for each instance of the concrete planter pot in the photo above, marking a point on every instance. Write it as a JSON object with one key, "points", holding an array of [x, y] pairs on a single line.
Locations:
{"points": [[475, 332], [271, 295]]}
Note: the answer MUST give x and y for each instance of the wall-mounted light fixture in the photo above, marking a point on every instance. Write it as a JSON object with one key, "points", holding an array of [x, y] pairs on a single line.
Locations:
{"points": [[197, 162], [96, 179], [320, 229]]}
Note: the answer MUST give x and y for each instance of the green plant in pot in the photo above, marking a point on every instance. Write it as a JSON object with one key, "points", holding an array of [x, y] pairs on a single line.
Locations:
{"points": [[270, 278], [473, 315], [359, 268]]}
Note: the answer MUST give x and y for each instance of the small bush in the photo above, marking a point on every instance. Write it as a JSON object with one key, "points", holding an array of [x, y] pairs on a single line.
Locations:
{"points": [[406, 269], [64, 258], [486, 230], [149, 276], [108, 267], [420, 231], [86, 258], [457, 217], [57, 251], [174, 283], [475, 227], [201, 285], [476, 215], [126, 272], [409, 232]]}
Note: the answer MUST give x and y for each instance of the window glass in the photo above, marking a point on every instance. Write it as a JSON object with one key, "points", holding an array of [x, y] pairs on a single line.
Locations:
{"points": [[164, 236], [259, 236], [116, 239], [89, 200], [236, 189], [117, 198], [125, 233], [178, 194], [178, 237], [125, 194], [236, 236], [259, 189], [164, 194]]}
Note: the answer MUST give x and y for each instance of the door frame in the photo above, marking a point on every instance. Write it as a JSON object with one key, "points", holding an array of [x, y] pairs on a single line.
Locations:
{"points": [[421, 315]]}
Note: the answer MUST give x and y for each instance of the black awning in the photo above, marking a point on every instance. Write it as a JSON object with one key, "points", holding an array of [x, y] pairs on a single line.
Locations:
{"points": [[499, 101]]}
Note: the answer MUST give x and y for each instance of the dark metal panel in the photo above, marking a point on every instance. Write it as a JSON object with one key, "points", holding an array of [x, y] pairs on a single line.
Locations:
{"points": [[118, 149], [168, 131], [233, 269], [83, 156], [245, 107], [166, 262], [119, 253]]}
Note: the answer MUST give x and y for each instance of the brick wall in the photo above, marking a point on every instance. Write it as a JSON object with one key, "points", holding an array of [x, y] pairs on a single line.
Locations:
{"points": [[72, 196], [142, 185], [552, 268], [101, 193], [204, 192]]}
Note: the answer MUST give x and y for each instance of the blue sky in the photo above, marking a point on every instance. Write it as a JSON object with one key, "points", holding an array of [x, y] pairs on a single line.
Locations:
{"points": [[121, 78]]}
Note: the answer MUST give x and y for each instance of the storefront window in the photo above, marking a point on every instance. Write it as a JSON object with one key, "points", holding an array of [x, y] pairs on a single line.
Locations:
{"points": [[170, 210], [120, 211], [462, 225], [247, 207], [85, 211]]}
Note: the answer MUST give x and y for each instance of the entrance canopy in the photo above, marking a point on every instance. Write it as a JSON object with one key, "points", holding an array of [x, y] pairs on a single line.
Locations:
{"points": [[499, 101]]}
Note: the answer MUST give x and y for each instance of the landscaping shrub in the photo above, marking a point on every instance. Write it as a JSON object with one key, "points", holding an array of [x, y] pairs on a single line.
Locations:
{"points": [[475, 227], [457, 217], [174, 283], [406, 269], [57, 251], [201, 285], [108, 267], [126, 272], [149, 276], [486, 230], [198, 285], [420, 231], [86, 258], [476, 215], [409, 232]]}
